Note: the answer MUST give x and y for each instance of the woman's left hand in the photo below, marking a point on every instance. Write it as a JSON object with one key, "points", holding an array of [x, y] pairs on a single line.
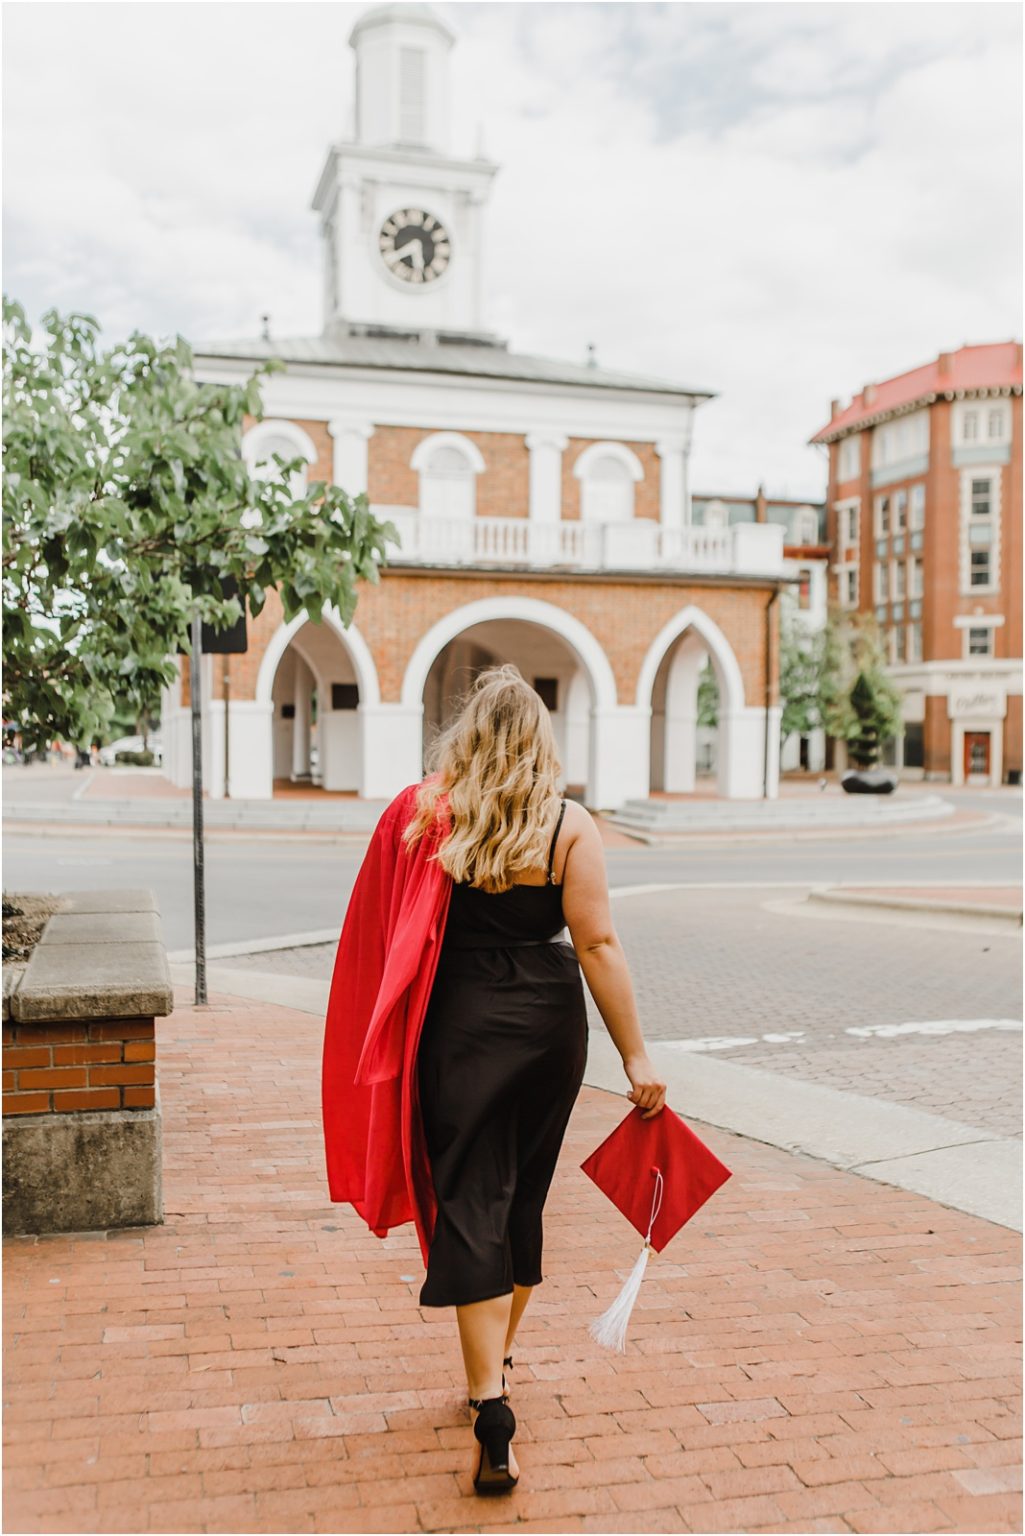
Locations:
{"points": [[647, 1089]]}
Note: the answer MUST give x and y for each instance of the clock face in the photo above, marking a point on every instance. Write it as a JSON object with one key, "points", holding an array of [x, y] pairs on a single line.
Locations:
{"points": [[414, 246]]}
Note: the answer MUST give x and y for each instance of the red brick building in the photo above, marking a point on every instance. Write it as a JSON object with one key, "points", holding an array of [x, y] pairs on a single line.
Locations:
{"points": [[543, 506], [925, 527]]}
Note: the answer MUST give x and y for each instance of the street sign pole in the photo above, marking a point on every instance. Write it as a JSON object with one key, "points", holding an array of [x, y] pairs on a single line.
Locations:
{"points": [[198, 887]]}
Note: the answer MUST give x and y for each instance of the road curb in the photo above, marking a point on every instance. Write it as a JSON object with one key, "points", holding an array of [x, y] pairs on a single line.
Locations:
{"points": [[987, 911]]}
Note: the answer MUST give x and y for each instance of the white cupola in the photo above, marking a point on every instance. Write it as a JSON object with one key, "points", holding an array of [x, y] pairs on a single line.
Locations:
{"points": [[402, 78], [401, 215]]}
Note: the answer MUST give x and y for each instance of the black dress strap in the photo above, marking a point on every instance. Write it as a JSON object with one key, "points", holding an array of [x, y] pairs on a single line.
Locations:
{"points": [[555, 839]]}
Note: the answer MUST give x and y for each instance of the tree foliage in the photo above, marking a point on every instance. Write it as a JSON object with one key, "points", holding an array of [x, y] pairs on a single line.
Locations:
{"points": [[128, 505], [860, 704], [801, 660]]}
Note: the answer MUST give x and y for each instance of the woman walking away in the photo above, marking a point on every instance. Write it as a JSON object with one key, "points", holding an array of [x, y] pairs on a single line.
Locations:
{"points": [[465, 1009]]}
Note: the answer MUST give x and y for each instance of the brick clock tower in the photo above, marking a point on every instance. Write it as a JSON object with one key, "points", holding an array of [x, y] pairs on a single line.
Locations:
{"points": [[543, 506], [401, 218]]}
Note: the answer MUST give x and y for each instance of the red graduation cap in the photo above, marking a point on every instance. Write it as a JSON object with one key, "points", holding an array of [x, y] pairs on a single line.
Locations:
{"points": [[658, 1173]]}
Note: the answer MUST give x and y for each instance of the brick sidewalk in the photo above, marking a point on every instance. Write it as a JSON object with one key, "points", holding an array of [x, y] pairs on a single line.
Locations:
{"points": [[813, 1352]]}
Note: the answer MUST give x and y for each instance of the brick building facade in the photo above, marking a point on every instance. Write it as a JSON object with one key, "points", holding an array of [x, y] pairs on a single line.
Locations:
{"points": [[542, 506], [925, 529]]}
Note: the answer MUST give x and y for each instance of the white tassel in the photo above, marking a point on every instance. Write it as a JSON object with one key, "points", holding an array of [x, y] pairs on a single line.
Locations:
{"points": [[610, 1328]]}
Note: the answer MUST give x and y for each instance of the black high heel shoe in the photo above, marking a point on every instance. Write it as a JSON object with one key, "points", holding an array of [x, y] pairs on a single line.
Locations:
{"points": [[494, 1427]]}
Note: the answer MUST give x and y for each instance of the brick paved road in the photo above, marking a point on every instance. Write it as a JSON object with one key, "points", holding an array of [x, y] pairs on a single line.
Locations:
{"points": [[814, 1352], [720, 966]]}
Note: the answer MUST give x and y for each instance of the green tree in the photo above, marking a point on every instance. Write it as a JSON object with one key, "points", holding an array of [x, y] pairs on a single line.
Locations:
{"points": [[708, 697], [127, 505], [860, 704], [801, 660]]}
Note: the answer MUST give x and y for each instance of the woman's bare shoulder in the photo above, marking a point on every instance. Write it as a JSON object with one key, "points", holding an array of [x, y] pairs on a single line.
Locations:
{"points": [[578, 821]]}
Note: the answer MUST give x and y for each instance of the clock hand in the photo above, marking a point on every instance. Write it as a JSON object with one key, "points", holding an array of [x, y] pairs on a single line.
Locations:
{"points": [[411, 248]]}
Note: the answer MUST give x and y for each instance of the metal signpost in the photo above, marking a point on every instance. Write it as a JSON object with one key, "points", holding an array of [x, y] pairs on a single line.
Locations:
{"points": [[199, 872]]}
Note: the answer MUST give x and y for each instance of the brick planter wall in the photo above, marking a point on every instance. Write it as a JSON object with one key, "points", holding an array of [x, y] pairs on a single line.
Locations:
{"points": [[61, 1067], [81, 1111]]}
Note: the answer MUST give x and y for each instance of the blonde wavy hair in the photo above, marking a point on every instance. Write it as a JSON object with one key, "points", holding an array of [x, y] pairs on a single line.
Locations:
{"points": [[498, 768]]}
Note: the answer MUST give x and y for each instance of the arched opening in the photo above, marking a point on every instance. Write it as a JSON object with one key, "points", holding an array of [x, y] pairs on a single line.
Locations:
{"points": [[316, 683], [692, 680], [545, 660]]}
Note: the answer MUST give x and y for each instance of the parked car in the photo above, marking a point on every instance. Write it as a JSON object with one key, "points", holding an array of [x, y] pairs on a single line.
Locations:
{"points": [[131, 744]]}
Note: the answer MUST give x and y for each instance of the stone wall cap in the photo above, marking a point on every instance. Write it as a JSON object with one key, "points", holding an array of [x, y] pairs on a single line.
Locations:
{"points": [[103, 928], [14, 970], [94, 981]]}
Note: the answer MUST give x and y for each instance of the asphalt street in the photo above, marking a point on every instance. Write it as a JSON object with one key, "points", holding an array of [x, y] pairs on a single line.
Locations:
{"points": [[260, 887]]}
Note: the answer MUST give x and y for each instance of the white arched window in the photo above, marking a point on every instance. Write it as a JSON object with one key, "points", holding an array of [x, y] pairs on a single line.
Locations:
{"points": [[607, 473], [285, 438], [805, 526], [448, 465]]}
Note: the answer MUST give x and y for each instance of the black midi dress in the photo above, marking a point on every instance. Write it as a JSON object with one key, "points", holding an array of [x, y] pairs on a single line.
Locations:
{"points": [[500, 1062]]}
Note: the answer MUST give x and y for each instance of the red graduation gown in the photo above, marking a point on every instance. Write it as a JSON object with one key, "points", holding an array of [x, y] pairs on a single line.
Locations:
{"points": [[384, 969]]}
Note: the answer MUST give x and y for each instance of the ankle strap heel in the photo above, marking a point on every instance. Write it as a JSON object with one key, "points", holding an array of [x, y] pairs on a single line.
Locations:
{"points": [[494, 1427]]}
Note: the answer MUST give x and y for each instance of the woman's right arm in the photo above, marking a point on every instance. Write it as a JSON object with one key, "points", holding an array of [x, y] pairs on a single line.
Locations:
{"points": [[586, 907]]}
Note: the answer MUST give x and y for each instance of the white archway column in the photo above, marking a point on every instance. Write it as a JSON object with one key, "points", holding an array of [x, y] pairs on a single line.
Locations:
{"points": [[302, 722], [681, 723], [742, 760], [391, 748], [620, 756]]}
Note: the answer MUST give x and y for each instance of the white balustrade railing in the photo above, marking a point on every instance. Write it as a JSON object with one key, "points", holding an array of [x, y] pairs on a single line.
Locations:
{"points": [[744, 549]]}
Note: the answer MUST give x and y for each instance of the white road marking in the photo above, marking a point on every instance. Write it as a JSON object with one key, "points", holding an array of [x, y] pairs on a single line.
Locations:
{"points": [[932, 1027]]}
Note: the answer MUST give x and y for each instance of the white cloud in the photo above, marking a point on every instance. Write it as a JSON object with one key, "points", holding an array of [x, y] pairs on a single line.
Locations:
{"points": [[778, 202]]}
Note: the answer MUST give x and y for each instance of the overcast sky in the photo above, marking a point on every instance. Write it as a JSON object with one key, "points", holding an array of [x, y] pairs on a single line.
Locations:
{"points": [[776, 202]]}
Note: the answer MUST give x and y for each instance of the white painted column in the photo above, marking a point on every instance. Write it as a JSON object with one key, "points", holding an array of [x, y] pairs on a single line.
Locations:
{"points": [[681, 724], [392, 748], [546, 450], [545, 507], [619, 756], [671, 452], [351, 468], [577, 711], [302, 721], [741, 773], [250, 749]]}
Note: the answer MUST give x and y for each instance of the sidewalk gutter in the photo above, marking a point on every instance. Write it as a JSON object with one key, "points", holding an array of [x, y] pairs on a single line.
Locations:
{"points": [[955, 1164]]}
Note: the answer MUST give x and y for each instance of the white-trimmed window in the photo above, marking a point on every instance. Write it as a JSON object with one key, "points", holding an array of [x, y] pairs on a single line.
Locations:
{"points": [[978, 640], [847, 585], [899, 580], [914, 642], [916, 576], [448, 465], [900, 511], [848, 458], [969, 425], [882, 516], [996, 423], [805, 526], [847, 513], [916, 514], [980, 530], [608, 473], [881, 582], [287, 440]]}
